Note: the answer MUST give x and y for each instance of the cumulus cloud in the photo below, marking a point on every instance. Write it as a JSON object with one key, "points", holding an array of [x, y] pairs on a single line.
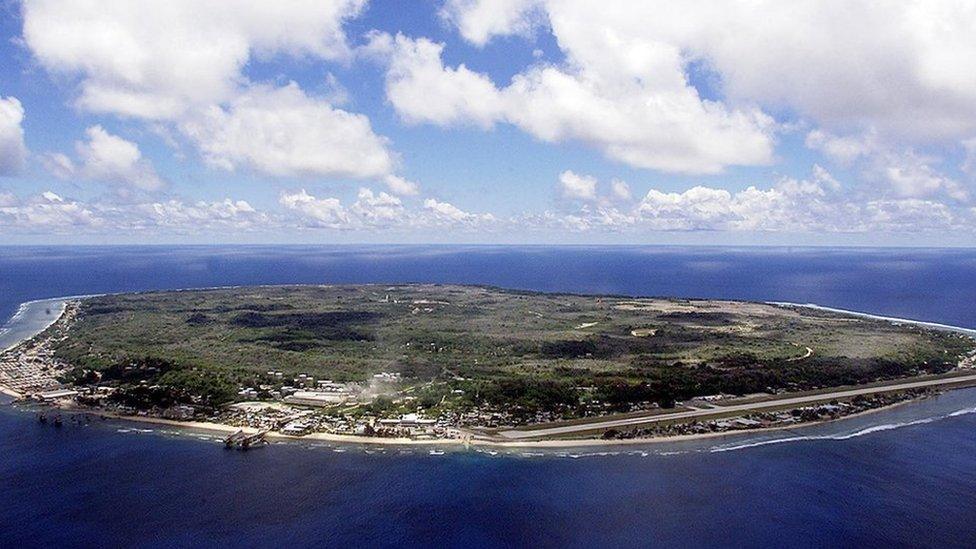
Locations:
{"points": [[911, 75], [322, 212], [441, 213], [200, 215], [620, 190], [47, 211], [107, 158], [284, 132], [587, 189], [156, 59], [13, 152], [789, 205], [645, 114], [843, 149], [423, 90], [377, 209], [478, 21], [401, 186], [179, 65], [373, 210], [906, 173], [913, 176], [816, 204], [578, 187], [52, 213]]}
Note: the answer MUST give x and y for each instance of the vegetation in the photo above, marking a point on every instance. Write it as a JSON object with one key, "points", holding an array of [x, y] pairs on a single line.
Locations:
{"points": [[465, 346]]}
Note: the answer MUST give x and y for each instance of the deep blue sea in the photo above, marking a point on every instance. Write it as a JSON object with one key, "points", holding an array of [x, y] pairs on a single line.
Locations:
{"points": [[903, 477]]}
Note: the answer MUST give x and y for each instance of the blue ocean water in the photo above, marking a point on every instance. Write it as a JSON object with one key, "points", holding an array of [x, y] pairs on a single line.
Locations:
{"points": [[901, 477]]}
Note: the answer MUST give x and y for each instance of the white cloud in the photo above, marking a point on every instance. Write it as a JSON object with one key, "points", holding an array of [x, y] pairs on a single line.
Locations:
{"points": [[59, 165], [377, 209], [906, 173], [969, 162], [578, 187], [158, 58], [373, 210], [108, 158], [696, 208], [913, 176], [906, 68], [446, 210], [620, 190], [646, 115], [180, 64], [401, 186], [227, 213], [842, 149], [423, 90], [322, 212], [791, 205], [50, 212], [13, 152], [284, 132], [586, 188], [47, 211], [816, 204], [478, 21]]}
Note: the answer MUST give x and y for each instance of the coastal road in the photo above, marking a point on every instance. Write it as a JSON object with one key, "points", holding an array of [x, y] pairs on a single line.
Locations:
{"points": [[723, 410]]}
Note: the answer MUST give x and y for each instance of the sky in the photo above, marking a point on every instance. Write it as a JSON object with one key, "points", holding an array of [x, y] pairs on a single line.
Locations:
{"points": [[708, 122]]}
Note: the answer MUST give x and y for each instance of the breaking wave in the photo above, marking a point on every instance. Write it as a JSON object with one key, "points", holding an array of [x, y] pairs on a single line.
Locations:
{"points": [[844, 436]]}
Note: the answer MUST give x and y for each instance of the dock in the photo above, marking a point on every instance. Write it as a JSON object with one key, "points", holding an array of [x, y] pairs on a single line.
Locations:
{"points": [[244, 441]]}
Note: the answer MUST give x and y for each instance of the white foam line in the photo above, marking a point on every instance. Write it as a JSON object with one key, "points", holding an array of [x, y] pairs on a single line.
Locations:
{"points": [[847, 436], [936, 325], [23, 308]]}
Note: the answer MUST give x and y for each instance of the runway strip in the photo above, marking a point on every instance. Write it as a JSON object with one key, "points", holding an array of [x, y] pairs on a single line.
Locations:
{"points": [[723, 410]]}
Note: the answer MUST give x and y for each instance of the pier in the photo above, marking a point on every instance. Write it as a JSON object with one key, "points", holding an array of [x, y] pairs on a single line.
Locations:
{"points": [[245, 441]]}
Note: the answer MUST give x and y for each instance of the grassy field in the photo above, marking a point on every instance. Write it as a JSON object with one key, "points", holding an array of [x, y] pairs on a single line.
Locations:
{"points": [[468, 345]]}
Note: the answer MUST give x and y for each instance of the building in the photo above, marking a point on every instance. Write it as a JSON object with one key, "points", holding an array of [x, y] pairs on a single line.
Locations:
{"points": [[318, 398]]}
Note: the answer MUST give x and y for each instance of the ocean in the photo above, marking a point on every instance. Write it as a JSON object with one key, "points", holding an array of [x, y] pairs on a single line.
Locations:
{"points": [[905, 476]]}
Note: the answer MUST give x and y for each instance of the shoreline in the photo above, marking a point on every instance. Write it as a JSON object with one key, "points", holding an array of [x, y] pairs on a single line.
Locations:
{"points": [[22, 308], [221, 428], [871, 316], [466, 442]]}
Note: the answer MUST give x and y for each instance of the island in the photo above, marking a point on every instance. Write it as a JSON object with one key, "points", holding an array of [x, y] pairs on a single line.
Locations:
{"points": [[473, 364]]}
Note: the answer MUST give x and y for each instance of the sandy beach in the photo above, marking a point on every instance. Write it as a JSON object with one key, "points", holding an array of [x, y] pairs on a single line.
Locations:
{"points": [[219, 428]]}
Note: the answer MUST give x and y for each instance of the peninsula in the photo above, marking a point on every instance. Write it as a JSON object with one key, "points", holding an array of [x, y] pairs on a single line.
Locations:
{"points": [[440, 363]]}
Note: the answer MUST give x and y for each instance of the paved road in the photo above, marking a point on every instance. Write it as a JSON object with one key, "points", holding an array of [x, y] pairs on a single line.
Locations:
{"points": [[751, 407]]}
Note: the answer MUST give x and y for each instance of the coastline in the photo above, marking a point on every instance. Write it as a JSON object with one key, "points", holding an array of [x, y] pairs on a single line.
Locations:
{"points": [[466, 442], [220, 428], [22, 308], [924, 323]]}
